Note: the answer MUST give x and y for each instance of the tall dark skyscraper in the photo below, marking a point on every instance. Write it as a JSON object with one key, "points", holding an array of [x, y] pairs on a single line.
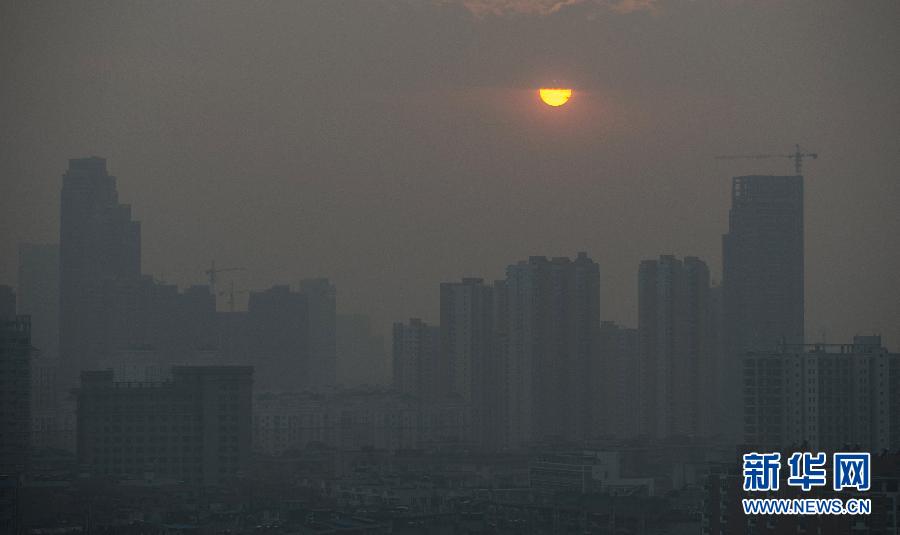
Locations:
{"points": [[762, 263], [762, 271], [674, 344], [99, 247], [551, 334], [467, 348]]}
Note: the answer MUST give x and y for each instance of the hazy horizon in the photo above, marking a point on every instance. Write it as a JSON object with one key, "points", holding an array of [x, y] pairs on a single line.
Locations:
{"points": [[391, 146]]}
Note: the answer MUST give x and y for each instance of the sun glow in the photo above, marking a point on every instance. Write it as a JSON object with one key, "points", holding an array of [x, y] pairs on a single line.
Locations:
{"points": [[555, 96]]}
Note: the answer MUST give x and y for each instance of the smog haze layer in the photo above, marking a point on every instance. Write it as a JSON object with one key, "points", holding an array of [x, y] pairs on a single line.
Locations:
{"points": [[393, 145]]}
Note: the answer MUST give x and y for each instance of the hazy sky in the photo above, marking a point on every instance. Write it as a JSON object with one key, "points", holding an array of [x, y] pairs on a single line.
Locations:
{"points": [[394, 145]]}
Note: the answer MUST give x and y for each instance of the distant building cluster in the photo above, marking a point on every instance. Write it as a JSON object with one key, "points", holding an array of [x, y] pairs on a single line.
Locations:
{"points": [[143, 379], [92, 308], [534, 361], [519, 352]]}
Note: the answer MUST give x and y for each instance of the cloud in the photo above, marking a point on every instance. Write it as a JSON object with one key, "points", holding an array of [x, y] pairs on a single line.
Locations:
{"points": [[630, 6], [483, 8]]}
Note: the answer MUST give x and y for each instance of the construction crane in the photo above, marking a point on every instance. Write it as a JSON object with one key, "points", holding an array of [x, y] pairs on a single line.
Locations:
{"points": [[212, 272], [797, 156]]}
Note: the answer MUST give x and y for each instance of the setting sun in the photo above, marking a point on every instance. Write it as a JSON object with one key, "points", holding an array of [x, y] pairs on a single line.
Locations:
{"points": [[555, 96]]}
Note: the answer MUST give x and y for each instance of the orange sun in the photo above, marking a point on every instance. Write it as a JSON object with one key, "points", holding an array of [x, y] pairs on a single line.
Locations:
{"points": [[555, 96]]}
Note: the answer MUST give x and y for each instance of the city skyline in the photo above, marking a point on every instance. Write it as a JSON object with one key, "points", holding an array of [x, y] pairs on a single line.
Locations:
{"points": [[226, 298], [232, 142], [450, 266]]}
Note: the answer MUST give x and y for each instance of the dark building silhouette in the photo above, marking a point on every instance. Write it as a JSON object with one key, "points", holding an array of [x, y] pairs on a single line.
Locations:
{"points": [[468, 351], [38, 297], [719, 367], [361, 357], [322, 345], [276, 342], [550, 342], [183, 322], [416, 360], [763, 262], [196, 427], [15, 386], [615, 386], [100, 258], [674, 326], [762, 272], [128, 320], [38, 294]]}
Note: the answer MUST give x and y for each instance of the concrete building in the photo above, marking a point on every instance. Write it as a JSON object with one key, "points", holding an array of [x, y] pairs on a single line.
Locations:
{"points": [[674, 325], [468, 350], [15, 386], [762, 272], [830, 396], [550, 335], [196, 427], [417, 367], [99, 246]]}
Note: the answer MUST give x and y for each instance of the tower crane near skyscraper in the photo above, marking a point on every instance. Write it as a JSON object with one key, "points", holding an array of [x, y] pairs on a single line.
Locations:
{"points": [[798, 155]]}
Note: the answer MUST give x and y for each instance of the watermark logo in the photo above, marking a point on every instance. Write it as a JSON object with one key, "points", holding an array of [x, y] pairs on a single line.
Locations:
{"points": [[852, 471], [807, 470], [761, 471]]}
